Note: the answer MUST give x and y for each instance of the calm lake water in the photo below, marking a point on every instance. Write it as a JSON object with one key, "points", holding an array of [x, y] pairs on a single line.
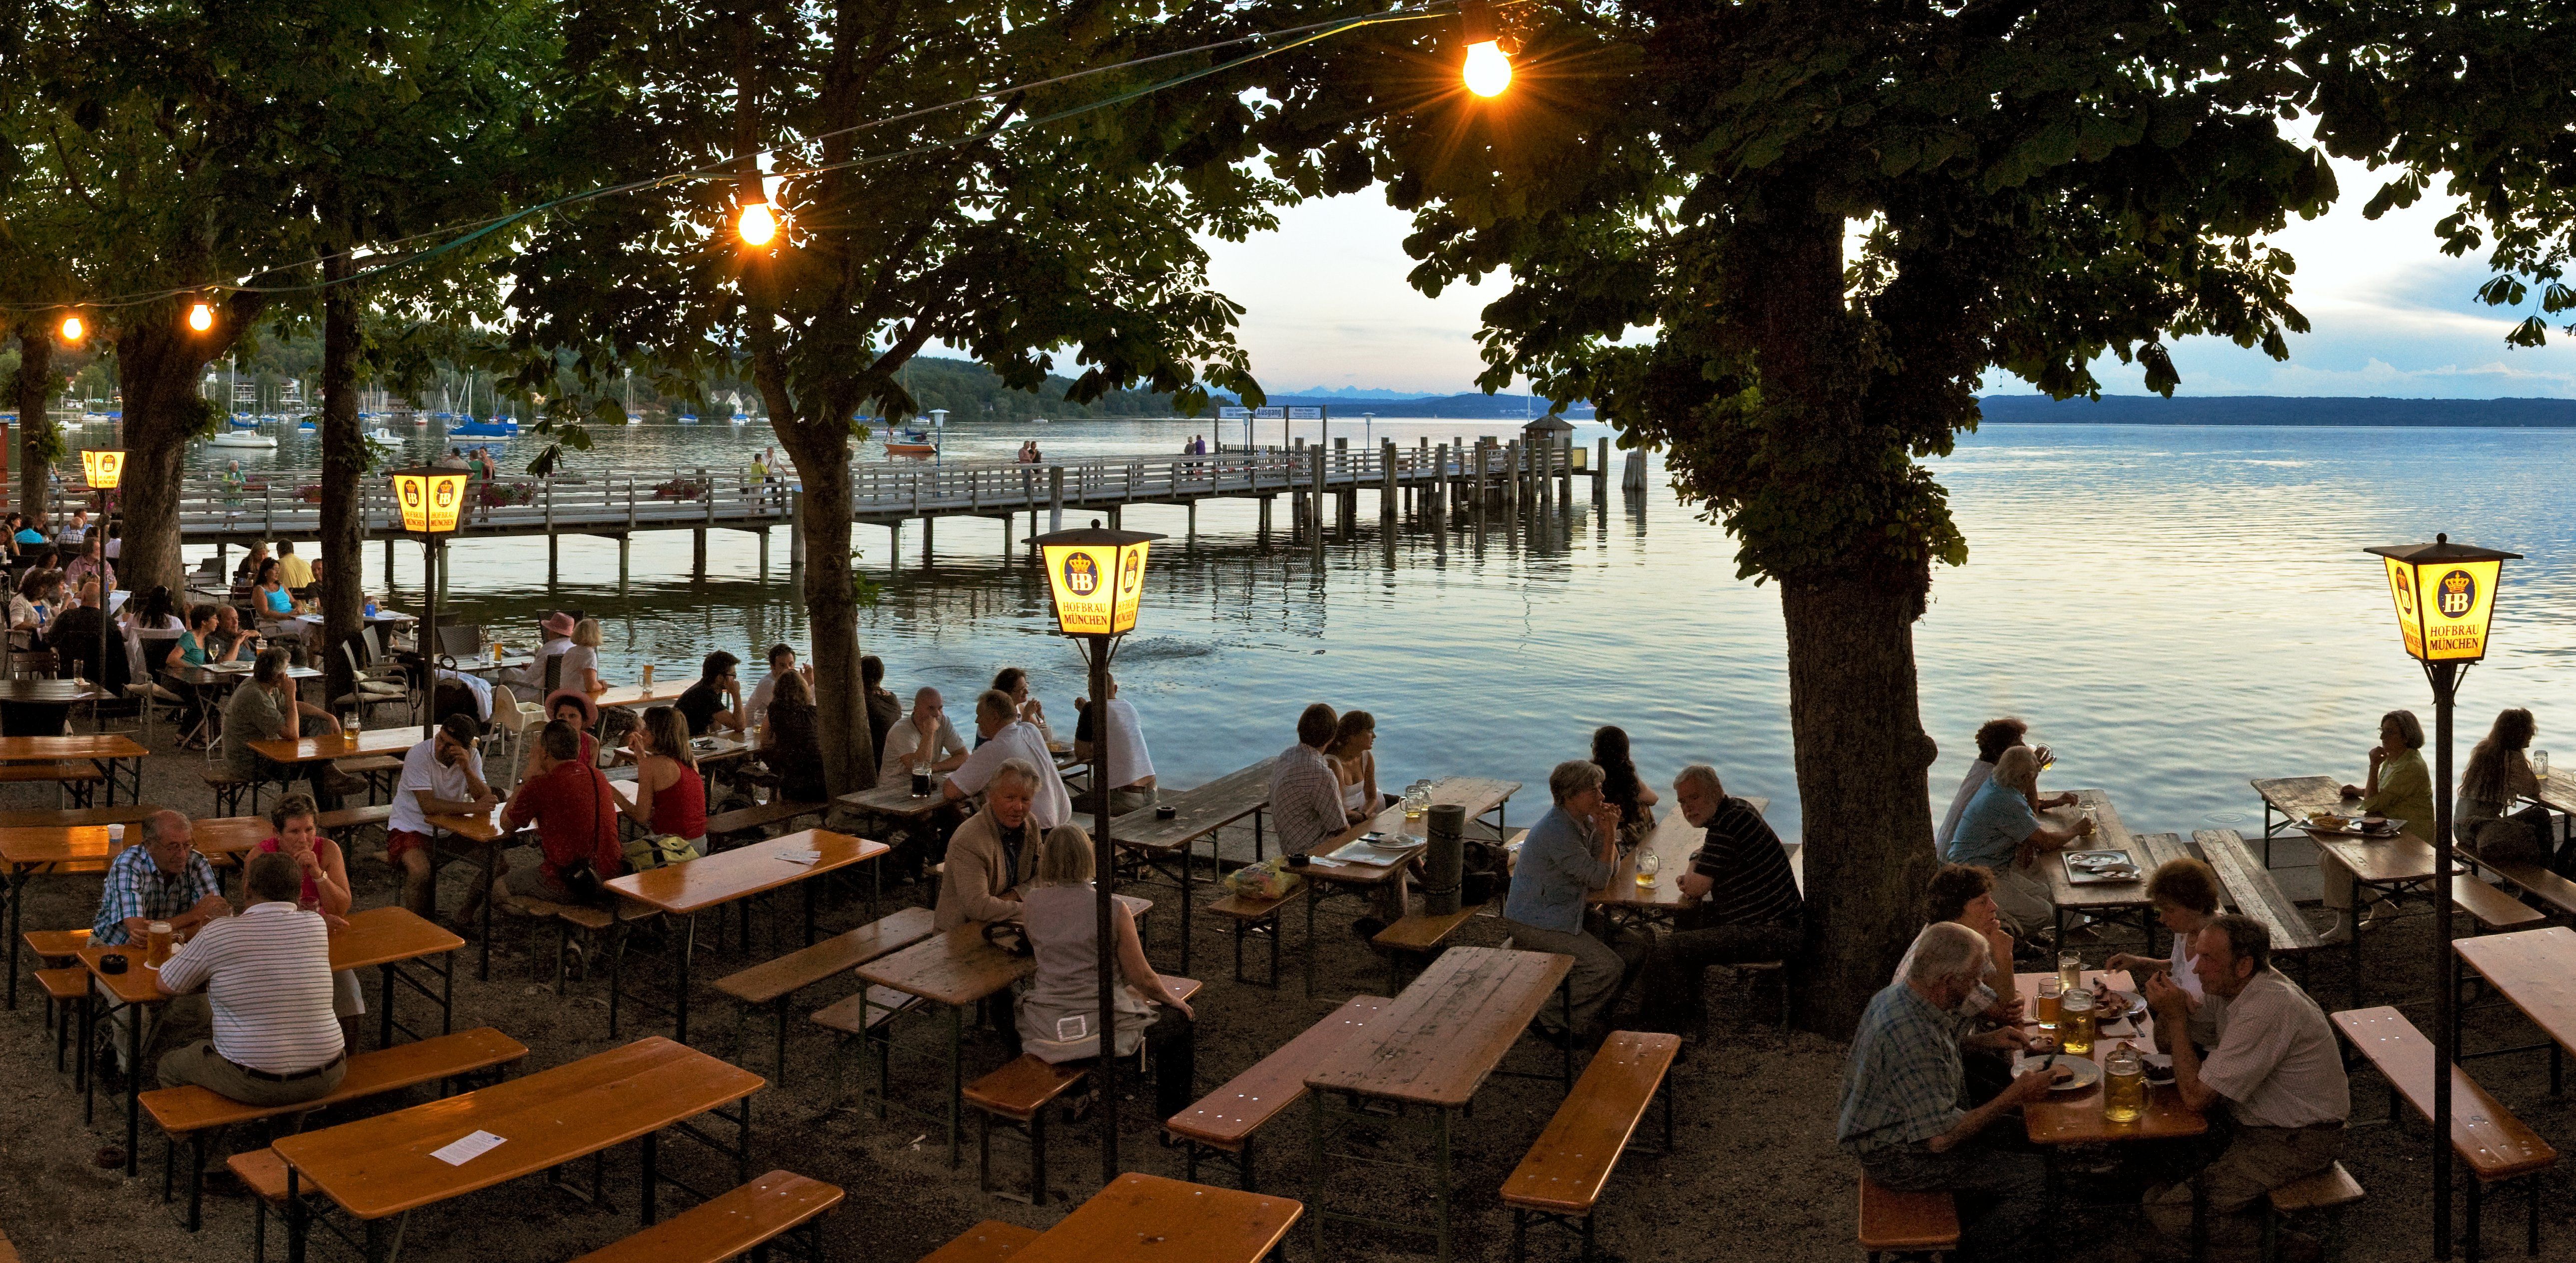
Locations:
{"points": [[2174, 610]]}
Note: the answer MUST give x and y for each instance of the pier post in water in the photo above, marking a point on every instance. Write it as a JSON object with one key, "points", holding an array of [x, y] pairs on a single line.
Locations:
{"points": [[1262, 533], [1055, 497], [1386, 496], [625, 553], [926, 524], [764, 554], [698, 553], [1440, 487]]}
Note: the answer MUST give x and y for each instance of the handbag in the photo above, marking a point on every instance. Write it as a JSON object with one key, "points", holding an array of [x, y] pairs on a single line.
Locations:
{"points": [[1009, 938]]}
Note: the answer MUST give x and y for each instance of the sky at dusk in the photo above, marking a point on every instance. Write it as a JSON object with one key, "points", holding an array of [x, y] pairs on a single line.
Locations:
{"points": [[1328, 306]]}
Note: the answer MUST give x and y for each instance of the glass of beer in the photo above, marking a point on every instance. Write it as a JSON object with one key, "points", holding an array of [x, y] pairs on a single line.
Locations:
{"points": [[156, 942], [648, 677], [2075, 1022], [2070, 971], [2124, 1080], [1648, 864], [2050, 991]]}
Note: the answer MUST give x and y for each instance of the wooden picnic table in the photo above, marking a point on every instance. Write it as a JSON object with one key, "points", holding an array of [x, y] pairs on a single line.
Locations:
{"points": [[385, 939], [1673, 844], [118, 757], [487, 836], [684, 890], [2536, 969], [379, 1167], [2294, 799], [662, 693], [1144, 1218], [27, 850], [1476, 795], [2120, 901], [893, 798], [1433, 1046], [486, 664], [339, 745], [2075, 1117], [1196, 814], [227, 675]]}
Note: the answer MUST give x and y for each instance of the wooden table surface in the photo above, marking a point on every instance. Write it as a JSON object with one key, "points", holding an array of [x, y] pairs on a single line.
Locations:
{"points": [[2109, 834], [106, 745], [1198, 812], [2381, 861], [50, 692], [69, 817], [954, 968], [2299, 797], [481, 826], [663, 693], [1147, 1217], [1476, 794], [743, 871], [344, 745], [382, 1166], [137, 985], [1673, 843], [2073, 1118], [1436, 1043], [34, 846], [2558, 793], [384, 936], [2536, 969], [893, 796], [204, 676], [224, 835]]}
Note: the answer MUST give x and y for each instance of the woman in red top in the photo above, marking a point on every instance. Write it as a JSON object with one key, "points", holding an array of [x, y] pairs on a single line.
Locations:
{"points": [[670, 795], [326, 890]]}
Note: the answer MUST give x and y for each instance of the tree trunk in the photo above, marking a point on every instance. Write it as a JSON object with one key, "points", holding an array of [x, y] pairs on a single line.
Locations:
{"points": [[821, 447], [344, 466], [34, 392], [162, 413]]}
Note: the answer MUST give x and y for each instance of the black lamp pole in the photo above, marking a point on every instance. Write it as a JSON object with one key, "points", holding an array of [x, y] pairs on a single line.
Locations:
{"points": [[431, 544], [1104, 867], [2445, 677], [105, 603]]}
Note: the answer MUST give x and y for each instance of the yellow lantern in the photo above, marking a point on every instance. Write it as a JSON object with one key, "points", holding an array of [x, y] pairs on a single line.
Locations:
{"points": [[430, 499], [1098, 578], [105, 467], [2445, 596]]}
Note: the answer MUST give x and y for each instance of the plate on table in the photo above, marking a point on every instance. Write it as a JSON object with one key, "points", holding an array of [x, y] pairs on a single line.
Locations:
{"points": [[2137, 1008], [2100, 866], [2352, 826], [2087, 1071]]}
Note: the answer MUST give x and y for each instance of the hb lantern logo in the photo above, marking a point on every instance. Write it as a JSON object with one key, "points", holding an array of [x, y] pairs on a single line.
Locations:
{"points": [[1081, 575], [2459, 594], [446, 492]]}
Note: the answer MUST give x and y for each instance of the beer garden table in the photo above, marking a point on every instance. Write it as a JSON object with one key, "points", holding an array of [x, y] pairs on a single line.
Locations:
{"points": [[2295, 798], [2536, 970], [2075, 1117], [1477, 796], [1147, 1218], [684, 890], [1673, 844], [2121, 901], [487, 835], [86, 849], [118, 757]]}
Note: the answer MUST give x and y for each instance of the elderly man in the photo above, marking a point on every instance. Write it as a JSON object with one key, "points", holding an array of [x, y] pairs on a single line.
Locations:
{"points": [[1751, 907], [164, 879], [2276, 1069], [267, 974], [1007, 737], [1901, 1088], [442, 776], [1570, 852], [2001, 831], [230, 643], [267, 709], [557, 630], [1131, 766], [995, 852], [923, 741]]}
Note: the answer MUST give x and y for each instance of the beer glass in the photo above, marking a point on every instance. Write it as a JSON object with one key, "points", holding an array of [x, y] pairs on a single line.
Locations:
{"points": [[2070, 971], [156, 942], [2075, 1022], [2540, 765], [2124, 1085], [1648, 864], [2050, 991]]}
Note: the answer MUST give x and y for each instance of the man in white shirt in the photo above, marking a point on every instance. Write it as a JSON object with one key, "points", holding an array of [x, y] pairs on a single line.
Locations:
{"points": [[1131, 765], [267, 974], [2277, 1070], [1008, 737], [782, 659], [558, 629], [442, 776], [923, 738]]}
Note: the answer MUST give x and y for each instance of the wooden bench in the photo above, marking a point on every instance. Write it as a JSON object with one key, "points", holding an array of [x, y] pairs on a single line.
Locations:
{"points": [[262, 1172], [1223, 1121], [991, 1241], [773, 982], [77, 778], [1418, 936], [2251, 888], [199, 1115], [379, 771], [2329, 1190], [2537, 882], [1559, 1181], [228, 789], [731, 1224], [1020, 1092], [726, 826], [339, 825], [2494, 1144], [1898, 1225], [1249, 916], [64, 987]]}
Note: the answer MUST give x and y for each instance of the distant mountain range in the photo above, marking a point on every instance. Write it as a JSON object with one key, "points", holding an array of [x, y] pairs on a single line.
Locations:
{"points": [[2522, 414]]}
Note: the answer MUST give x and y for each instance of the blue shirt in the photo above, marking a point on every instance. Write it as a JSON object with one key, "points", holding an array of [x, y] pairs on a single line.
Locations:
{"points": [[136, 887], [1558, 866], [279, 602], [28, 535], [1998, 820], [1902, 1081]]}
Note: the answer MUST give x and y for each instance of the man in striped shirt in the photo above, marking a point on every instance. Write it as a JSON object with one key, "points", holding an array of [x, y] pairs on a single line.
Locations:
{"points": [[267, 974], [1751, 910]]}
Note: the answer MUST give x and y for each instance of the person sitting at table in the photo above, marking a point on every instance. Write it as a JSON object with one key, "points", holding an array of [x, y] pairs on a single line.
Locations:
{"points": [[782, 661], [884, 709], [1354, 755], [192, 649], [1571, 852], [1963, 894], [994, 853], [1902, 1084], [297, 821], [1058, 1017], [85, 568], [2498, 776], [39, 593], [75, 533], [575, 811], [267, 975], [557, 630], [267, 709], [577, 709], [2184, 893], [1620, 786], [29, 533], [295, 571], [2001, 832], [1131, 765], [1305, 789], [76, 639], [715, 701], [230, 642], [163, 879], [670, 793], [2398, 787], [791, 742], [1015, 682], [251, 561], [442, 776], [1746, 904], [580, 669], [1993, 738], [274, 602], [923, 741], [1004, 736], [2277, 1070]]}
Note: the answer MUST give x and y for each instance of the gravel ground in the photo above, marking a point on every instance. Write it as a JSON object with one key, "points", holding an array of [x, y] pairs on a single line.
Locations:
{"points": [[1755, 1173]]}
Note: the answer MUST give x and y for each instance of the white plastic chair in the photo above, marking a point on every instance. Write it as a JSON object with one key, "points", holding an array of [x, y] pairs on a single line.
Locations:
{"points": [[515, 718]]}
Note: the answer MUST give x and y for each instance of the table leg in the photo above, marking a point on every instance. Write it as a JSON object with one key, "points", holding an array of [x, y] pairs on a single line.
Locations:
{"points": [[956, 1080], [1312, 889], [1185, 901], [1315, 1173], [688, 946], [133, 1084], [88, 1038], [385, 1020], [809, 919], [17, 901], [2353, 952], [1440, 1160], [447, 990], [652, 1174], [298, 1227], [491, 854]]}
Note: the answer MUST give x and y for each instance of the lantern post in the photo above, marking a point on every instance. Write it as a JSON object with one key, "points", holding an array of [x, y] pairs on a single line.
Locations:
{"points": [[105, 469], [430, 499], [2445, 596], [1097, 579]]}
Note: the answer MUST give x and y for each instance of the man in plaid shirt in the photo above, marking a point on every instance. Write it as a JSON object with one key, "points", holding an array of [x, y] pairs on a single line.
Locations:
{"points": [[1901, 1093], [164, 879]]}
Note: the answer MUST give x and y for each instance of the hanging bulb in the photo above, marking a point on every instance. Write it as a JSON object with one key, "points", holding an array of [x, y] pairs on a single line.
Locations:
{"points": [[758, 224], [74, 329], [201, 317], [1488, 70]]}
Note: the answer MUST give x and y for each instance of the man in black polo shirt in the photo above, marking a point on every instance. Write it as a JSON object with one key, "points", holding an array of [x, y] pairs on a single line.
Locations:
{"points": [[1750, 907], [715, 701]]}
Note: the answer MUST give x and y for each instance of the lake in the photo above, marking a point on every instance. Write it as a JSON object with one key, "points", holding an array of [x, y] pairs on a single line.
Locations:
{"points": [[2175, 610]]}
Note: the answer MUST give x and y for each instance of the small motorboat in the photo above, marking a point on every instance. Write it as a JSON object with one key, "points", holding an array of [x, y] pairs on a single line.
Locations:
{"points": [[240, 422], [305, 426], [739, 418], [242, 438], [910, 442], [632, 419], [688, 418], [382, 435]]}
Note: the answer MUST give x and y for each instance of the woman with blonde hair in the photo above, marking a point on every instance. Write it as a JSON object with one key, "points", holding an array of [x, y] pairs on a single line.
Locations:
{"points": [[580, 669], [2498, 776], [1058, 1018]]}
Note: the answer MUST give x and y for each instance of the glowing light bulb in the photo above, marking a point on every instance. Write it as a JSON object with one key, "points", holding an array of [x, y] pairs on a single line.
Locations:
{"points": [[201, 317], [1488, 70], [757, 224], [74, 329]]}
